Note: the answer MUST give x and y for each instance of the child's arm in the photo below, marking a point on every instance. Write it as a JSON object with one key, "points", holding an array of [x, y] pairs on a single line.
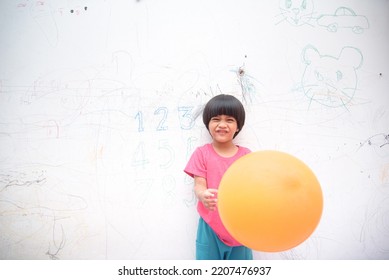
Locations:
{"points": [[205, 195]]}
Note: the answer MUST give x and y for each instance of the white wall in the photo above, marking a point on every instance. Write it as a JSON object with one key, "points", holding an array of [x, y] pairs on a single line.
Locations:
{"points": [[98, 105]]}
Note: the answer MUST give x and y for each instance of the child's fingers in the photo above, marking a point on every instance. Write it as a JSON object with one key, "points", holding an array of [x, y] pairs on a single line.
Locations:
{"points": [[211, 193], [211, 205]]}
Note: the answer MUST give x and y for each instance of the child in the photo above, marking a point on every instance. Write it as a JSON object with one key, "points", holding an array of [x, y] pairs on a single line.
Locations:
{"points": [[224, 118]]}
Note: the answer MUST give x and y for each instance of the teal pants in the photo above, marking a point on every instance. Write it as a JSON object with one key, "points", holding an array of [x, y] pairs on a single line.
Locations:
{"points": [[210, 247]]}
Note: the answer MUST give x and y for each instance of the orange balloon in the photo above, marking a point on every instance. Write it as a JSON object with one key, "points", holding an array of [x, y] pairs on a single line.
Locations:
{"points": [[270, 201]]}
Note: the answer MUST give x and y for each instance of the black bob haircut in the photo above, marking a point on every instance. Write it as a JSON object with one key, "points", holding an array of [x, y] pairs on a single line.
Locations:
{"points": [[224, 104]]}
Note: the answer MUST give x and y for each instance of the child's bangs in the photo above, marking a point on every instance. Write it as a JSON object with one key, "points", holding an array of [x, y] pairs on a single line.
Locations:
{"points": [[226, 108]]}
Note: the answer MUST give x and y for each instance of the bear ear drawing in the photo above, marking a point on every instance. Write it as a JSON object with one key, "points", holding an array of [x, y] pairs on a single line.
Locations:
{"points": [[351, 56], [310, 54]]}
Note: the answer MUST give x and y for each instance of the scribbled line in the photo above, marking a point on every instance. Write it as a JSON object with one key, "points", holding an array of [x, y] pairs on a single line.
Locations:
{"points": [[59, 247], [8, 181], [380, 140], [18, 183], [247, 87]]}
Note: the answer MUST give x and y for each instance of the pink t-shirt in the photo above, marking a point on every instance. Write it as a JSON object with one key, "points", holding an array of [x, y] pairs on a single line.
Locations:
{"points": [[206, 163]]}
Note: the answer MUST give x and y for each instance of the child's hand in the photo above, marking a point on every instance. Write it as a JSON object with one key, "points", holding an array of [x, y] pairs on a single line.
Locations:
{"points": [[208, 198]]}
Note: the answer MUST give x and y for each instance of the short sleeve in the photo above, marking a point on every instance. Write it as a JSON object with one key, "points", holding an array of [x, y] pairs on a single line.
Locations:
{"points": [[196, 165]]}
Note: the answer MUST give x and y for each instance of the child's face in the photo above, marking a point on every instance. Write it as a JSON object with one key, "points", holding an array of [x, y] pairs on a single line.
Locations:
{"points": [[223, 128]]}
